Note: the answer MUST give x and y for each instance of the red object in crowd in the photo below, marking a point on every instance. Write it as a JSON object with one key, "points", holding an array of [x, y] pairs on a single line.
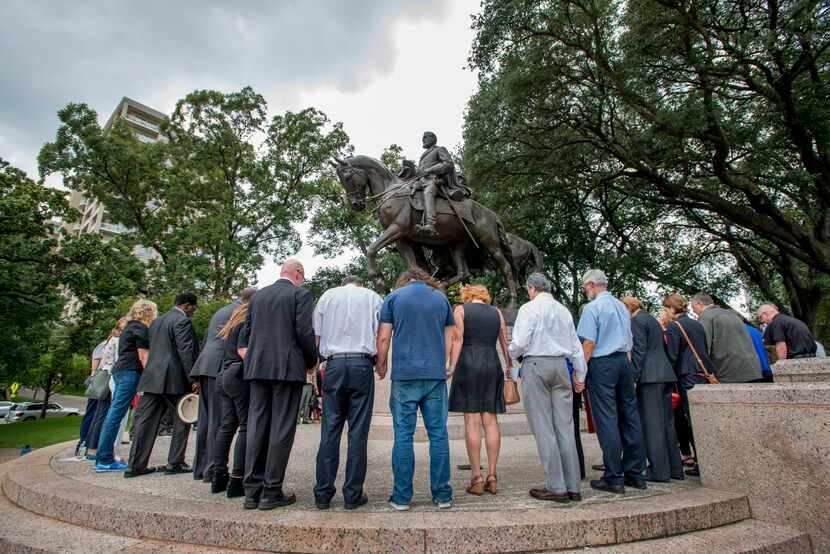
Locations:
{"points": [[134, 401], [675, 400], [588, 416]]}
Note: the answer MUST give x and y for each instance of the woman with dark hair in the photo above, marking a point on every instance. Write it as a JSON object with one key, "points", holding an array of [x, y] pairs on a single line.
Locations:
{"points": [[232, 395], [478, 380], [686, 349]]}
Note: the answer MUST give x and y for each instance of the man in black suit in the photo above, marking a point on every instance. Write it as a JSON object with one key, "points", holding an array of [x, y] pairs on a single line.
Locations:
{"points": [[204, 372], [173, 350], [278, 348]]}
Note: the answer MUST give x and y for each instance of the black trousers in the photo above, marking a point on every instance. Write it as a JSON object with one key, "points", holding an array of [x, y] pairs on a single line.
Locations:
{"points": [[659, 435], [94, 433], [146, 423], [272, 422], [614, 407], [348, 396], [577, 404], [206, 426], [232, 399]]}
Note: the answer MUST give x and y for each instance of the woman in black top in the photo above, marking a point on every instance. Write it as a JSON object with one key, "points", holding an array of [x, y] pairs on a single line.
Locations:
{"points": [[686, 367], [133, 349], [478, 380], [232, 394]]}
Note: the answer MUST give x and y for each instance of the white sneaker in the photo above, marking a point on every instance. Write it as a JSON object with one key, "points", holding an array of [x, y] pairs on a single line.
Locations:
{"points": [[443, 505], [399, 507]]}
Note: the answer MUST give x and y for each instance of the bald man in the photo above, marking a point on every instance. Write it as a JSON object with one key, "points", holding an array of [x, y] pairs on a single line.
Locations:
{"points": [[278, 348]]}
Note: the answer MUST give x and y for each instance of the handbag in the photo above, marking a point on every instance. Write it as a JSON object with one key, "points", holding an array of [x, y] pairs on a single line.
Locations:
{"points": [[511, 392], [99, 386], [706, 373]]}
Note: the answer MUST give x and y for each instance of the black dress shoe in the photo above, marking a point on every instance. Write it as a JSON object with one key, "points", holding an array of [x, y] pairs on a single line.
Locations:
{"points": [[693, 471], [635, 483], [139, 472], [602, 485], [251, 502], [269, 502], [574, 497], [322, 505], [235, 488], [219, 483], [178, 468], [360, 502]]}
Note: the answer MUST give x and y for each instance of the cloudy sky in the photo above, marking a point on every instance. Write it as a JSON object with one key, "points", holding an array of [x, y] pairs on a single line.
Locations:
{"points": [[388, 69]]}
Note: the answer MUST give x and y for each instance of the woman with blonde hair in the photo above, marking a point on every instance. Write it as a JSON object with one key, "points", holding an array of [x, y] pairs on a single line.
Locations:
{"points": [[133, 349], [232, 398], [478, 380]]}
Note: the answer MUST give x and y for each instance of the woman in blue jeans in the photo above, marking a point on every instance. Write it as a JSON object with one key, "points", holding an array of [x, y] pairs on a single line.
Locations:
{"points": [[133, 348]]}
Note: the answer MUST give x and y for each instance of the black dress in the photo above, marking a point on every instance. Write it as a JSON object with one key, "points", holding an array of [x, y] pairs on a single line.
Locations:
{"points": [[478, 382]]}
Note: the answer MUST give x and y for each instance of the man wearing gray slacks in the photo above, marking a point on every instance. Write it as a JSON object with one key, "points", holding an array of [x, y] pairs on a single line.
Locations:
{"points": [[544, 335]]}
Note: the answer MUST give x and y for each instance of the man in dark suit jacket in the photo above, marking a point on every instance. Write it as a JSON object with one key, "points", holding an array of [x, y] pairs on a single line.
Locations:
{"points": [[173, 350], [204, 372], [279, 348], [655, 380]]}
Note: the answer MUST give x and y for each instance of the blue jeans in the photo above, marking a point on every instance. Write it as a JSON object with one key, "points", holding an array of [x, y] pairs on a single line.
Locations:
{"points": [[430, 395], [126, 385], [614, 407]]}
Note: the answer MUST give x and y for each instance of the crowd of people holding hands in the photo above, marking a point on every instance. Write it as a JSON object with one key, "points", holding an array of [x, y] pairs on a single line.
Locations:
{"points": [[634, 371]]}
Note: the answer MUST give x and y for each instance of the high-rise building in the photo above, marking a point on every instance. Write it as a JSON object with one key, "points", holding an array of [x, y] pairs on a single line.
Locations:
{"points": [[144, 122]]}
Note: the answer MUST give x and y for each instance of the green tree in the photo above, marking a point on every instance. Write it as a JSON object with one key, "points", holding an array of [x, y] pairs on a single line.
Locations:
{"points": [[712, 110], [222, 191]]}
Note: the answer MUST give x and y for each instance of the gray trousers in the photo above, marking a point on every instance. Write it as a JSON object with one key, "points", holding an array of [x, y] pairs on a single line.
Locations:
{"points": [[548, 401]]}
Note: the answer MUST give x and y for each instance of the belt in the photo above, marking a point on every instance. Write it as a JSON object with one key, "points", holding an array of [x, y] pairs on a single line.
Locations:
{"points": [[350, 355]]}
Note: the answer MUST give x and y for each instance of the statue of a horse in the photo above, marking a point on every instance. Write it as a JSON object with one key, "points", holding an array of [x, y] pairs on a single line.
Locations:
{"points": [[358, 174]]}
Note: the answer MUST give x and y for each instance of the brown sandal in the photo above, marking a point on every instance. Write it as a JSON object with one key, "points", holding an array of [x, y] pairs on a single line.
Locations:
{"points": [[476, 486], [490, 484]]}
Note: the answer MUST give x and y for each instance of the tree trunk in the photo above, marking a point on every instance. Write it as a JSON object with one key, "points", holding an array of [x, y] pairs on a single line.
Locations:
{"points": [[47, 392]]}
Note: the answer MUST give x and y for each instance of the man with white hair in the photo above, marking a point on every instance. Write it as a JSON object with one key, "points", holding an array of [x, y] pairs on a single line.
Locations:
{"points": [[544, 336], [605, 328], [790, 336], [278, 347]]}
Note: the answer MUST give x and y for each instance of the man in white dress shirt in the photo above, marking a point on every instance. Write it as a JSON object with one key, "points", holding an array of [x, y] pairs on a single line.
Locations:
{"points": [[544, 336], [346, 326]]}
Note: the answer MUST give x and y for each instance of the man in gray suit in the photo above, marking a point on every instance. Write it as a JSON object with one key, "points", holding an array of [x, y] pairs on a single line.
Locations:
{"points": [[728, 342], [204, 372], [655, 380], [165, 379]]}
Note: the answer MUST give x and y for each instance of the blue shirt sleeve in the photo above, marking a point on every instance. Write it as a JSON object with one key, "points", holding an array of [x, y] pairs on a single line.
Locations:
{"points": [[450, 321], [588, 328], [386, 310]]}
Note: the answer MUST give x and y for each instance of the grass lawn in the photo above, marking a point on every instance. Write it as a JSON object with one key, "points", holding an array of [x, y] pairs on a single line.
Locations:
{"points": [[39, 433]]}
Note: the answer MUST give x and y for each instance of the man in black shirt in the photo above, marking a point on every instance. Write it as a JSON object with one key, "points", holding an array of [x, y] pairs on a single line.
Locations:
{"points": [[790, 336]]}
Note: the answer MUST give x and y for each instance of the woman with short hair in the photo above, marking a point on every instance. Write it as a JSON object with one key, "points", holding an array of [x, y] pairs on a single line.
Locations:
{"points": [[477, 388]]}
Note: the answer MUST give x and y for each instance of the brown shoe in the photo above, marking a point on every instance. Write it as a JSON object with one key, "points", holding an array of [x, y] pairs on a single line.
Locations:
{"points": [[476, 486], [544, 494], [490, 485]]}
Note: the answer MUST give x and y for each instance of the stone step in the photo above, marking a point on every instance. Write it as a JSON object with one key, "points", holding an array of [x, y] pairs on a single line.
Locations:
{"points": [[745, 537], [33, 484], [23, 532]]}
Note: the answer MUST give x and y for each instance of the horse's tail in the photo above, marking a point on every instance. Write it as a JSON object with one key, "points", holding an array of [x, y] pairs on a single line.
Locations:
{"points": [[504, 243], [538, 258]]}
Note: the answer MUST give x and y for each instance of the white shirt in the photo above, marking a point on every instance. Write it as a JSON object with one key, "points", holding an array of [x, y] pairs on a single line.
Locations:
{"points": [[109, 354], [346, 320], [544, 327]]}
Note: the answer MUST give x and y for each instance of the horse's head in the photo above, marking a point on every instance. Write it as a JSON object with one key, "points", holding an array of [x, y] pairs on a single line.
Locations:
{"points": [[354, 180]]}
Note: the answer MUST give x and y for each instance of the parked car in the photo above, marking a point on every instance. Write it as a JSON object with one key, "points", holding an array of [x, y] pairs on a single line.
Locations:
{"points": [[4, 408], [30, 411]]}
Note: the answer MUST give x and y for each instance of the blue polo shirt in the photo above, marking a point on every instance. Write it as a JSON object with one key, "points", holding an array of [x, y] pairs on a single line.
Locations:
{"points": [[607, 323], [418, 314]]}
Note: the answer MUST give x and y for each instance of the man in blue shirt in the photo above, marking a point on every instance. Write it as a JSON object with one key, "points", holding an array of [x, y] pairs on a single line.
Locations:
{"points": [[605, 328], [422, 321]]}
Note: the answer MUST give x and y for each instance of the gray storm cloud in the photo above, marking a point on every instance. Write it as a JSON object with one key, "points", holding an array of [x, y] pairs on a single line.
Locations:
{"points": [[55, 52]]}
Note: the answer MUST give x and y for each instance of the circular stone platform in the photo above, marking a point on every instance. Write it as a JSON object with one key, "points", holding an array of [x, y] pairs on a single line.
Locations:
{"points": [[180, 510]]}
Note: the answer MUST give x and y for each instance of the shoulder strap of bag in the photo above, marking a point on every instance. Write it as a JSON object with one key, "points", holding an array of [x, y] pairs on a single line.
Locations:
{"points": [[706, 372]]}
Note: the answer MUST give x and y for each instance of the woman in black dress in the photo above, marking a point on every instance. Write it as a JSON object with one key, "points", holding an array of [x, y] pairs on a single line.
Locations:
{"points": [[478, 380]]}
